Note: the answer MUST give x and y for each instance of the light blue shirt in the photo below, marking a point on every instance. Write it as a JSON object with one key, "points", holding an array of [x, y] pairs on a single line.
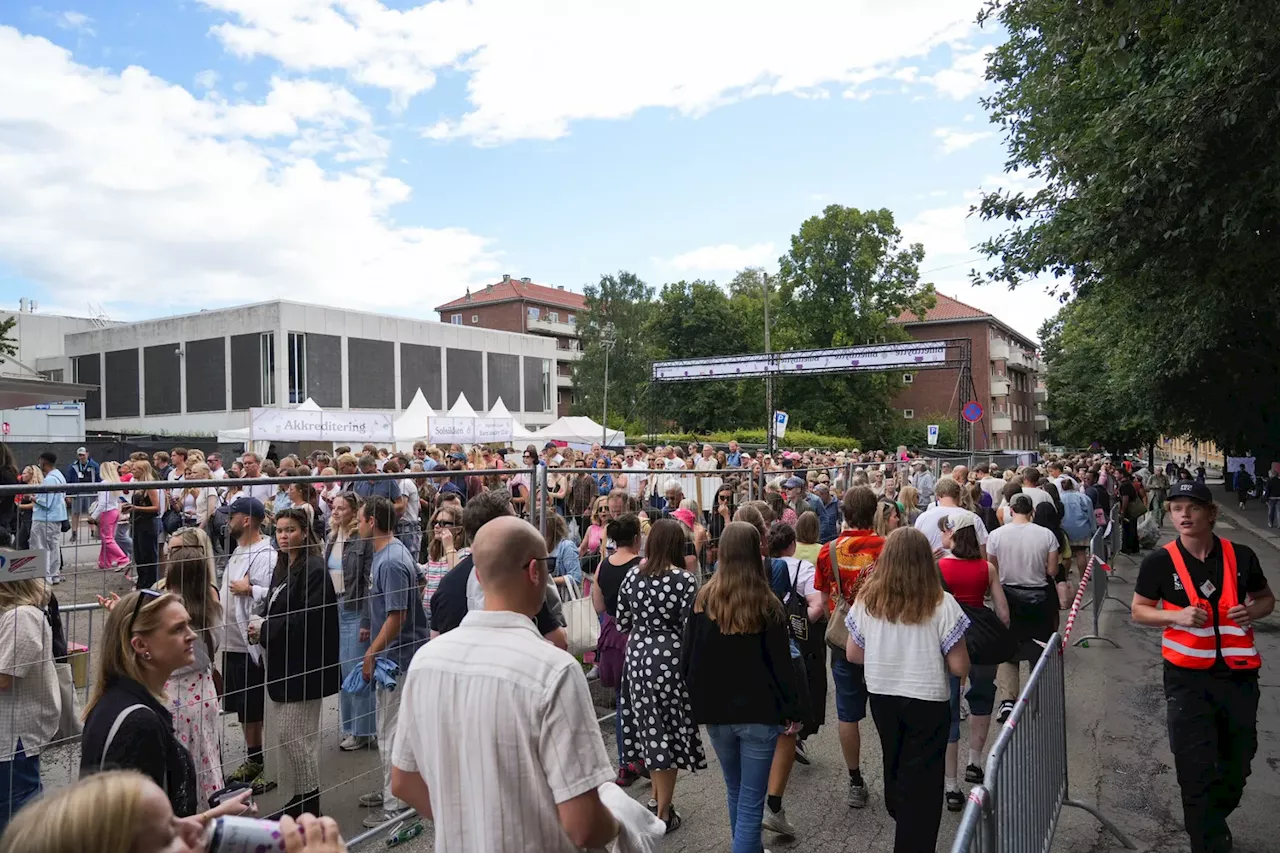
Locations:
{"points": [[51, 506]]}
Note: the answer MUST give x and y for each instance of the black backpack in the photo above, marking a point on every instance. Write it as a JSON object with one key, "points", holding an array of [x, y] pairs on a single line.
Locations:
{"points": [[797, 609]]}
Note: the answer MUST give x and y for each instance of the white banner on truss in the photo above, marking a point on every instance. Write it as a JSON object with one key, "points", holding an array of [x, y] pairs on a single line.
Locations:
{"points": [[878, 357]]}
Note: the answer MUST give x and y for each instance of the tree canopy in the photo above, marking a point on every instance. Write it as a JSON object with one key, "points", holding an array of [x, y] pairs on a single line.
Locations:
{"points": [[1149, 131]]}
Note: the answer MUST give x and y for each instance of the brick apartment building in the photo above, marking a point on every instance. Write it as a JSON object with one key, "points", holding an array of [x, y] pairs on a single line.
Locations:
{"points": [[519, 305], [1006, 376]]}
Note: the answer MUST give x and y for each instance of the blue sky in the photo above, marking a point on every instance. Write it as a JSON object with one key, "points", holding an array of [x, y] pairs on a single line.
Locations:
{"points": [[169, 156]]}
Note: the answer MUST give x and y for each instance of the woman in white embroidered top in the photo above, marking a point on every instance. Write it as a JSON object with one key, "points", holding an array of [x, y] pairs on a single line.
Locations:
{"points": [[908, 633]]}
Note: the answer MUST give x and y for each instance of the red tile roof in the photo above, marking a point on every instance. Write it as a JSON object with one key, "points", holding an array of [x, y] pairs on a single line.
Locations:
{"points": [[507, 290], [944, 309]]}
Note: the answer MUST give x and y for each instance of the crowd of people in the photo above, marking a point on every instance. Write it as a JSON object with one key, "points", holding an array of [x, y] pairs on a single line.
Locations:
{"points": [[728, 584]]}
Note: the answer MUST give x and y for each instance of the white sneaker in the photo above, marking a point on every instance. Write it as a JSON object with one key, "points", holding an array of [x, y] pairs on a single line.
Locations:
{"points": [[777, 822], [353, 742]]}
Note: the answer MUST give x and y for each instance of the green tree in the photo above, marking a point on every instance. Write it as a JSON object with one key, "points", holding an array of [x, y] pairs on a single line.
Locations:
{"points": [[8, 346], [625, 303], [1151, 130], [697, 320], [844, 279]]}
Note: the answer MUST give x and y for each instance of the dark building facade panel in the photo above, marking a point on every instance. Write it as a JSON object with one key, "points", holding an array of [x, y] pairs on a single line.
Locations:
{"points": [[504, 379], [371, 374], [121, 371], [324, 370], [162, 367], [533, 369], [465, 369], [246, 371], [206, 368], [420, 368], [88, 371]]}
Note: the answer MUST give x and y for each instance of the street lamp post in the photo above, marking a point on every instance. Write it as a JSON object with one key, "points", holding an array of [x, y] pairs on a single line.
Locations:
{"points": [[607, 341]]}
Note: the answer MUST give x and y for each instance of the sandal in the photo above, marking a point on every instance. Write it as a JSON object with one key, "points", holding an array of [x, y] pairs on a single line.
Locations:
{"points": [[673, 819]]}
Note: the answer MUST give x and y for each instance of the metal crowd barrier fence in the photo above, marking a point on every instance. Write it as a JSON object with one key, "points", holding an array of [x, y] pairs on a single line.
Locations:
{"points": [[1100, 559], [1017, 809]]}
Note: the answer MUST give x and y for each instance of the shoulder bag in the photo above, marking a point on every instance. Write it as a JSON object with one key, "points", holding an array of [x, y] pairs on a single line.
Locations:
{"points": [[581, 624], [70, 726]]}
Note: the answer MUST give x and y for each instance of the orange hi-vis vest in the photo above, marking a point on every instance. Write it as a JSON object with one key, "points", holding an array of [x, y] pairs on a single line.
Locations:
{"points": [[1197, 648]]}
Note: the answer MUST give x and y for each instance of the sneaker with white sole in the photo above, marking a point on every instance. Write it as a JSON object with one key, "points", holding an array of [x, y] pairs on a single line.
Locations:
{"points": [[777, 822], [380, 817], [371, 800], [1006, 708], [858, 795], [350, 743]]}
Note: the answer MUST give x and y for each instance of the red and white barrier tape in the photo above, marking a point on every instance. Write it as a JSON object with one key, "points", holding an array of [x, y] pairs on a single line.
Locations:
{"points": [[1075, 605]]}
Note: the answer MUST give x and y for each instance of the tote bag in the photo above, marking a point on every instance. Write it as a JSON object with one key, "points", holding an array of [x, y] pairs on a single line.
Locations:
{"points": [[581, 624], [70, 725]]}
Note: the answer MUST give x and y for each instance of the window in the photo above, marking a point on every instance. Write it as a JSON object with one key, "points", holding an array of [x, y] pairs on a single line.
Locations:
{"points": [[553, 316], [908, 378], [546, 385], [534, 312], [908, 413], [571, 320], [475, 318], [52, 375], [456, 319], [297, 368], [268, 362]]}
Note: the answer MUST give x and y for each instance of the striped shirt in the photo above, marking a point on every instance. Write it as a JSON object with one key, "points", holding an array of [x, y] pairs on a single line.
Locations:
{"points": [[500, 725]]}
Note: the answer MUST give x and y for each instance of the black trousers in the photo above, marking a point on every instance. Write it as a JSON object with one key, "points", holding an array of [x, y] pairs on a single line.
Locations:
{"points": [[1213, 733], [913, 738]]}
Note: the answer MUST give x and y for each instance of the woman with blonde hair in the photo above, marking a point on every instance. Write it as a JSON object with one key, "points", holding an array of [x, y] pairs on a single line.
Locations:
{"points": [[736, 661], [200, 499], [888, 517], [908, 633], [29, 692], [123, 811], [349, 558], [909, 499], [32, 476], [128, 724], [110, 554]]}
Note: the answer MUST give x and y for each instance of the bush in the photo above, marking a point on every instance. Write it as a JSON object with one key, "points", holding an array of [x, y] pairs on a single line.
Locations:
{"points": [[795, 439]]}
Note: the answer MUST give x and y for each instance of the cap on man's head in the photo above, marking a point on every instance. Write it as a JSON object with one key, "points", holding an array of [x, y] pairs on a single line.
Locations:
{"points": [[550, 445], [1197, 492], [458, 456], [251, 507], [80, 450], [793, 483]]}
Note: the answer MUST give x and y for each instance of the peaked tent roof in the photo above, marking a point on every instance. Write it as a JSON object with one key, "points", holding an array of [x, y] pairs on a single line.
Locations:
{"points": [[412, 425], [579, 430], [461, 409], [309, 405]]}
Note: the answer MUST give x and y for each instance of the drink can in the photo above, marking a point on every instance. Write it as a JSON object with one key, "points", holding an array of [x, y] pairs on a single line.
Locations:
{"points": [[242, 835]]}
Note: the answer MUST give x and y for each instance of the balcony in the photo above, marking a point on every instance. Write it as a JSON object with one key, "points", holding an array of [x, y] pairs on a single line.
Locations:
{"points": [[568, 354], [999, 386], [544, 326], [999, 350], [1001, 423], [563, 381], [1042, 395], [1042, 423]]}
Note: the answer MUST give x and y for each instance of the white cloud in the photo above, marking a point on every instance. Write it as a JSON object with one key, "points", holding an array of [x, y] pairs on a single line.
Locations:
{"points": [[954, 140], [942, 230], [727, 257], [77, 21], [965, 77], [207, 79], [534, 68], [127, 190]]}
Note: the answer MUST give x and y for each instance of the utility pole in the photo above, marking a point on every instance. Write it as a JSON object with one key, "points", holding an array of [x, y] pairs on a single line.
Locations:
{"points": [[607, 341], [768, 377]]}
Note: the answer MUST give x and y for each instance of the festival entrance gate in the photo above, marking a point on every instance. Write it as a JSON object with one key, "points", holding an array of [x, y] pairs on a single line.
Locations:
{"points": [[908, 356]]}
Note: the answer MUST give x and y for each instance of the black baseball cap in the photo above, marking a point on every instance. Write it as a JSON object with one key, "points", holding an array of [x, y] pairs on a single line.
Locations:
{"points": [[251, 507], [1197, 492]]}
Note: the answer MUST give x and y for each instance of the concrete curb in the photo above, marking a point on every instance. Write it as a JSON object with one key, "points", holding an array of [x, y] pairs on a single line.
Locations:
{"points": [[1266, 534]]}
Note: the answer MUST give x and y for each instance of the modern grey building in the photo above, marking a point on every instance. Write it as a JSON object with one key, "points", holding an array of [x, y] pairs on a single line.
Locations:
{"points": [[198, 373]]}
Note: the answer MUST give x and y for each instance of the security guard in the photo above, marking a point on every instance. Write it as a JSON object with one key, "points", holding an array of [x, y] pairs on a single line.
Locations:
{"points": [[1206, 593]]}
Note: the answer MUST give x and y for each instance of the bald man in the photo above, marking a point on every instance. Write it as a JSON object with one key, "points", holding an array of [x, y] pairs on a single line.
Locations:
{"points": [[515, 711]]}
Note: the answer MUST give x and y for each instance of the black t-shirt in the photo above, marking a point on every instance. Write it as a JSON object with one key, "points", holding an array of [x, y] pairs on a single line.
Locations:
{"points": [[1158, 580], [1128, 491], [1101, 500], [449, 601], [610, 576]]}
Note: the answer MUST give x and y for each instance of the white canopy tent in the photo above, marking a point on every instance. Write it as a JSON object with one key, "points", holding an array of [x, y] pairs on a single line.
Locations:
{"points": [[580, 432], [412, 425], [456, 426]]}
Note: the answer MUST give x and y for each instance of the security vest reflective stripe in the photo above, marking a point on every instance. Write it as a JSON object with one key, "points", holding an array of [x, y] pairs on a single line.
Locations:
{"points": [[1197, 648]]}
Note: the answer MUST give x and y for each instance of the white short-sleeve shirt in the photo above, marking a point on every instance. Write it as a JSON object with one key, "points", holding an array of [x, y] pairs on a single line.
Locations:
{"points": [[908, 660], [1022, 552], [500, 726]]}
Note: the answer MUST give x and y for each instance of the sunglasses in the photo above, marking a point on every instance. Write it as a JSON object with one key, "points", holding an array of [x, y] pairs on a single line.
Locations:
{"points": [[143, 594], [441, 522]]}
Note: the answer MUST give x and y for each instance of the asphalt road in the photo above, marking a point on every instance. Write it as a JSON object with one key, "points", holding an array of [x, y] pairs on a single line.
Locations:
{"points": [[1119, 755]]}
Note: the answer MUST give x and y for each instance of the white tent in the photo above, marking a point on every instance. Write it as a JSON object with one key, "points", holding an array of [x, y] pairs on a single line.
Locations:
{"points": [[456, 426], [412, 425], [461, 408], [580, 432], [232, 436]]}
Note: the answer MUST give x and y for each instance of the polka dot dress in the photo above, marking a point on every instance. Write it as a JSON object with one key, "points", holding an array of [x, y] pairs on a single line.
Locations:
{"points": [[657, 723]]}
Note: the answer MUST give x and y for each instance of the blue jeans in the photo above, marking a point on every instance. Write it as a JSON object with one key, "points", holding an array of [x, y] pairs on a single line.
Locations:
{"points": [[359, 713], [745, 751], [19, 783]]}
